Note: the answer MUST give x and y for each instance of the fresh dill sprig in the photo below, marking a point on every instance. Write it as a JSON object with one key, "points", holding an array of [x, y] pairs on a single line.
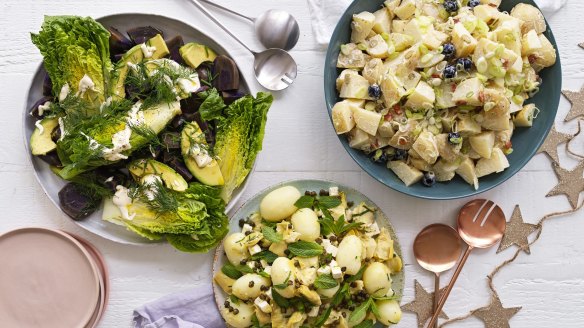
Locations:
{"points": [[164, 199], [147, 133]]}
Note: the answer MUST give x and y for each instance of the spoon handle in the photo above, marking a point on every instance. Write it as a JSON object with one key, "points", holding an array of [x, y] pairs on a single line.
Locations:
{"points": [[227, 9], [216, 21], [436, 294], [449, 288]]}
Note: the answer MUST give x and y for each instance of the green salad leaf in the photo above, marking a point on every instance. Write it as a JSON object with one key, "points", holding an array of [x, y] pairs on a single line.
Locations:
{"points": [[73, 47], [213, 105], [305, 248], [239, 138]]}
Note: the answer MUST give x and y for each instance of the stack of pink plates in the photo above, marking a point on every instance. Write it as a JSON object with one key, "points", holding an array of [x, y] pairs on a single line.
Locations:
{"points": [[50, 279]]}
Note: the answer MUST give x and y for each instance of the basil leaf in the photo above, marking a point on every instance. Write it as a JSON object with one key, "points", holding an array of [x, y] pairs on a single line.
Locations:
{"points": [[305, 202], [271, 234], [325, 281], [360, 312], [329, 201], [265, 255], [264, 274], [231, 271], [365, 324], [327, 222], [340, 294], [280, 300], [305, 249], [320, 320]]}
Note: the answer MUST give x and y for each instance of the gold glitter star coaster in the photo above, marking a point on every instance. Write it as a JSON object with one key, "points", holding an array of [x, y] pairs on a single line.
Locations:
{"points": [[423, 304], [577, 101], [495, 315], [517, 232], [550, 145], [571, 183]]}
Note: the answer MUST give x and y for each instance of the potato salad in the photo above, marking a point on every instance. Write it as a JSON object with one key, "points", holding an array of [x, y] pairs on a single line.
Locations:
{"points": [[435, 88], [309, 260]]}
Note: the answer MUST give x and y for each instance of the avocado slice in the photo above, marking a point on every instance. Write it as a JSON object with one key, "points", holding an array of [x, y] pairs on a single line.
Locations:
{"points": [[41, 142], [134, 56], [211, 173], [171, 179], [195, 54], [160, 45]]}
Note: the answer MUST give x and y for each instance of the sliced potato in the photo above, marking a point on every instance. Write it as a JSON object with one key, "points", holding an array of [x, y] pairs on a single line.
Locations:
{"points": [[466, 170], [531, 16], [525, 117], [342, 116], [483, 143], [377, 47], [361, 26], [497, 163], [382, 22], [409, 175]]}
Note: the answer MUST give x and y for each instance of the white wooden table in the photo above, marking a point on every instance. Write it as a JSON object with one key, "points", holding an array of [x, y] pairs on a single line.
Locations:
{"points": [[300, 143]]}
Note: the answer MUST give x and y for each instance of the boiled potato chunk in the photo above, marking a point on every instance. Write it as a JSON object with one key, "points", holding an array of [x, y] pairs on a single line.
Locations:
{"points": [[530, 43], [279, 203], [351, 57], [283, 271], [409, 175], [426, 147], [359, 139], [243, 317], [401, 41], [367, 121], [234, 248], [241, 288], [447, 151], [466, 170], [306, 223], [224, 281], [419, 27], [531, 16], [497, 163], [389, 311], [468, 92], [445, 170], [341, 79], [362, 26], [382, 23], [342, 115], [466, 125], [328, 293], [463, 41], [546, 56], [486, 13], [406, 9], [377, 279], [422, 97], [374, 70], [349, 254], [525, 117], [377, 47], [495, 120], [355, 86], [434, 39], [483, 143], [392, 90]]}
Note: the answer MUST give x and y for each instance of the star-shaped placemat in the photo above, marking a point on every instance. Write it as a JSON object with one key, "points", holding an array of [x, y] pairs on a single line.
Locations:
{"points": [[423, 304], [571, 183], [577, 101], [550, 145], [495, 315], [516, 232]]}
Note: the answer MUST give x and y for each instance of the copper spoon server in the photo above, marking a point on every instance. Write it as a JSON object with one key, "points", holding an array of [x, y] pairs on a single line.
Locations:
{"points": [[481, 224], [437, 248]]}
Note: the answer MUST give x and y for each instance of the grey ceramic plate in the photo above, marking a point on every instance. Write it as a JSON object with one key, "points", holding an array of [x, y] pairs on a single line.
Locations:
{"points": [[253, 205], [526, 141], [51, 184]]}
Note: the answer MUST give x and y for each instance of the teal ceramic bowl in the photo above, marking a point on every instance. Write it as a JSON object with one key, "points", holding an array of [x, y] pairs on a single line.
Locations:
{"points": [[526, 141]]}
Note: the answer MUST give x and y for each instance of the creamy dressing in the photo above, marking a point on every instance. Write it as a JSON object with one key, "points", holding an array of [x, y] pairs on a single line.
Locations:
{"points": [[43, 107], [122, 200], [64, 92], [86, 83], [110, 179], [147, 51], [150, 181], [106, 103], [190, 85], [200, 155], [62, 128], [39, 126], [121, 139]]}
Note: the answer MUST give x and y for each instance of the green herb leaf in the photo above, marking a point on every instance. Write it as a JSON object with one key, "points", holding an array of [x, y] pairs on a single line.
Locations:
{"points": [[360, 312], [340, 294], [357, 276], [213, 105], [265, 255], [325, 281], [320, 320], [374, 309], [285, 283], [386, 298], [271, 235], [264, 274], [305, 249], [329, 201], [234, 299], [367, 210], [365, 324], [280, 300], [305, 202], [231, 271]]}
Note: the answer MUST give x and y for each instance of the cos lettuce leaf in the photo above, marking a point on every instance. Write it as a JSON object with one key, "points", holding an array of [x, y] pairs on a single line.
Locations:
{"points": [[213, 105], [73, 47], [239, 139]]}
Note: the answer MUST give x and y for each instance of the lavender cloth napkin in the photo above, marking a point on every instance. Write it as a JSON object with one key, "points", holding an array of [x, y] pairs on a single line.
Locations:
{"points": [[192, 308]]}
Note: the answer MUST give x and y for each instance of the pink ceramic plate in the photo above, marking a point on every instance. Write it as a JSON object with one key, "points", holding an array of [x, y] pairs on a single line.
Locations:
{"points": [[47, 280]]}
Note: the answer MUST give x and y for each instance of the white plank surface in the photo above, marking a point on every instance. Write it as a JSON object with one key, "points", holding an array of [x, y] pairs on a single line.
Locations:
{"points": [[301, 143]]}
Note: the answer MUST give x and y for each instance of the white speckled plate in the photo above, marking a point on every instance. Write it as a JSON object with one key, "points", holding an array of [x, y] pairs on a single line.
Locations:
{"points": [[253, 205], [51, 183]]}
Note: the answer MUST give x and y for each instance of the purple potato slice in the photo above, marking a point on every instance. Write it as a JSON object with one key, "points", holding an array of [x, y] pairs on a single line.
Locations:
{"points": [[51, 158], [173, 46], [225, 73], [118, 43], [230, 96], [142, 34], [77, 202]]}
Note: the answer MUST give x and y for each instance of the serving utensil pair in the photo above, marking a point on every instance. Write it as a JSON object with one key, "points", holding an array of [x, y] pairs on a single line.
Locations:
{"points": [[481, 224], [274, 68]]}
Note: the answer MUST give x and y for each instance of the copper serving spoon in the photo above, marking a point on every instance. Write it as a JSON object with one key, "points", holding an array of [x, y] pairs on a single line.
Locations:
{"points": [[437, 248], [481, 224]]}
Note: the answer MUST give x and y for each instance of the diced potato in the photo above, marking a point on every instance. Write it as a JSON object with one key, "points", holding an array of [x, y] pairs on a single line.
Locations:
{"points": [[398, 25], [351, 57], [509, 33], [486, 13], [391, 5], [430, 9], [406, 9], [409, 175], [377, 47], [342, 115], [466, 125], [392, 90], [530, 43], [358, 139], [466, 171], [434, 39], [355, 86], [495, 120], [464, 42], [531, 16], [385, 130], [449, 152], [495, 3], [422, 97], [502, 138], [356, 102], [382, 23], [525, 117], [418, 27], [374, 70], [367, 121], [444, 96], [517, 67], [497, 163], [544, 57], [468, 92], [483, 143], [410, 80], [426, 147], [341, 78], [361, 26], [419, 163], [445, 170], [406, 60], [430, 59], [404, 139], [401, 41]]}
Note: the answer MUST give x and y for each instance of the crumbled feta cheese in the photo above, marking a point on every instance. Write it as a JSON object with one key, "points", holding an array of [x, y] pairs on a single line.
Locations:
{"points": [[264, 263], [122, 200], [246, 228], [64, 92], [251, 264], [39, 126], [268, 270], [147, 51], [269, 293], [337, 272], [334, 191], [203, 159], [333, 263], [348, 215], [86, 83], [254, 249], [106, 103], [324, 270], [262, 305], [373, 230], [329, 248], [313, 312]]}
